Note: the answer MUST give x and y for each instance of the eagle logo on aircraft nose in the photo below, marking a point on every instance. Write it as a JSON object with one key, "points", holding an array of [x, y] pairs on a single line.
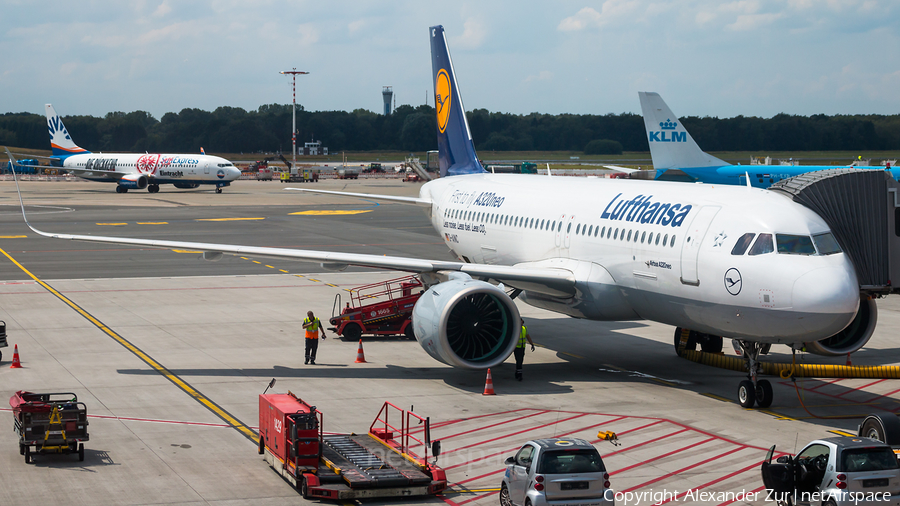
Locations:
{"points": [[733, 281], [442, 99]]}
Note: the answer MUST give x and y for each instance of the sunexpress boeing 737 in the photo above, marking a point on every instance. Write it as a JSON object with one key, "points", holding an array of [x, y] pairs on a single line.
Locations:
{"points": [[137, 171], [709, 260], [677, 157]]}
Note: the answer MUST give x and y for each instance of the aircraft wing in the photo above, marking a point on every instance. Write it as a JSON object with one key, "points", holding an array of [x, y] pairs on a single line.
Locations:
{"points": [[552, 280], [621, 169], [96, 173], [388, 198]]}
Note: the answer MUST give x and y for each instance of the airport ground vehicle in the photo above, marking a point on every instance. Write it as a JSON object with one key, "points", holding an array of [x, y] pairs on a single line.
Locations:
{"points": [[373, 168], [348, 173], [49, 423], [834, 471], [25, 166], [555, 471], [380, 309], [381, 463]]}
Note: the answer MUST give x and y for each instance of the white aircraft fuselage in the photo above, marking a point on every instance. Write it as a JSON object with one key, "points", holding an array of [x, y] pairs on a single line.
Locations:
{"points": [[159, 168], [655, 251]]}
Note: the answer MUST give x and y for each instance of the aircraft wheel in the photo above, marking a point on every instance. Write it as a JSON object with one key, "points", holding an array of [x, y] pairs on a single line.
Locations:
{"points": [[764, 394], [410, 332], [746, 394], [884, 428], [304, 487], [80, 452], [218, 190], [27, 454], [119, 189], [21, 449], [691, 341], [153, 188]]}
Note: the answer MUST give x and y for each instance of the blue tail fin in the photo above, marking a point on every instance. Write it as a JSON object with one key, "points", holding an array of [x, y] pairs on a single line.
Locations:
{"points": [[456, 151]]}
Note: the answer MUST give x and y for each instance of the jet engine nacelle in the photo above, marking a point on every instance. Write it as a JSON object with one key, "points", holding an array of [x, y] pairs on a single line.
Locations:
{"points": [[133, 181], [852, 338], [184, 185], [466, 323]]}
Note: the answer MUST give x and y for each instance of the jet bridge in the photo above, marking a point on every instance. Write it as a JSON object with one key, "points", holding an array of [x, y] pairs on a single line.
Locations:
{"points": [[863, 210]]}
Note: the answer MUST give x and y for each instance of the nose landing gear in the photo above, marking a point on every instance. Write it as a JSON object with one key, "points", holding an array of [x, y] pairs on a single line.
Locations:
{"points": [[753, 390]]}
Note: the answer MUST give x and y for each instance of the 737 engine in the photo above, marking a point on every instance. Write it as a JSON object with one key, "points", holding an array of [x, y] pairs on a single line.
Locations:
{"points": [[466, 323], [134, 181], [852, 338]]}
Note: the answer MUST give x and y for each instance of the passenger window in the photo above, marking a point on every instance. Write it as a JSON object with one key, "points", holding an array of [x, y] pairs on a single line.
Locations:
{"points": [[616, 235], [666, 238], [597, 231], [523, 458], [795, 244], [577, 229], [629, 235], [657, 240], [826, 244], [650, 238], [740, 247], [672, 242], [591, 230], [643, 235], [542, 225], [569, 228], [762, 245]]}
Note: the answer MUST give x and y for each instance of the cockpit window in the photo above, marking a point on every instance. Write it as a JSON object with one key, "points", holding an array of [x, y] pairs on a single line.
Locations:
{"points": [[826, 244], [740, 247], [762, 245], [795, 244]]}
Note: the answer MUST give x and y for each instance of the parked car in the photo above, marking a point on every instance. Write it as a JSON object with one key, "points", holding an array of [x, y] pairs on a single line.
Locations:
{"points": [[834, 471], [555, 471]]}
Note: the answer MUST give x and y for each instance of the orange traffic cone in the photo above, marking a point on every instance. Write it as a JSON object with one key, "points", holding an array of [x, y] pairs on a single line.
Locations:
{"points": [[849, 363], [488, 384], [360, 357], [16, 364]]}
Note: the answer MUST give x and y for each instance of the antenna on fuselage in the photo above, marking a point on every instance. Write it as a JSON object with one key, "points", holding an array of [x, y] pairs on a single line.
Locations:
{"points": [[747, 176], [548, 171]]}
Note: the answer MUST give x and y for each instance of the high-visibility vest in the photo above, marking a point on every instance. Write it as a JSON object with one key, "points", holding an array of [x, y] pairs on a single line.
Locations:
{"points": [[521, 343], [312, 332]]}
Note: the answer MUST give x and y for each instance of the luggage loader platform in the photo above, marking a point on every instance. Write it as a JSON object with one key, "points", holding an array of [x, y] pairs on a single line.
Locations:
{"points": [[352, 466]]}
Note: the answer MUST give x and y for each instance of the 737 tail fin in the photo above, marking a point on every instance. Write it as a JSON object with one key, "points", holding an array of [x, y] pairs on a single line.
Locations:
{"points": [[671, 146], [456, 151], [60, 141]]}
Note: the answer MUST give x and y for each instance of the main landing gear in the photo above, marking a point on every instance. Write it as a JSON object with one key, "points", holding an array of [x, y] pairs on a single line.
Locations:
{"points": [[753, 390], [121, 189], [153, 188]]}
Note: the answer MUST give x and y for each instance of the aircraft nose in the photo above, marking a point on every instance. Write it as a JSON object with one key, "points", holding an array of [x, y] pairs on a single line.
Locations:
{"points": [[832, 290], [233, 173]]}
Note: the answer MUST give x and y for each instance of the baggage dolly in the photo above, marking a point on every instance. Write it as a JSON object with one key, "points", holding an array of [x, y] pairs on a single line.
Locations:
{"points": [[49, 423]]}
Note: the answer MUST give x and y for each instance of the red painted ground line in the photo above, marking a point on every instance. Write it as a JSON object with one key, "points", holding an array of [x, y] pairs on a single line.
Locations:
{"points": [[825, 383], [640, 444], [686, 468], [660, 457], [860, 388], [892, 392], [515, 433], [458, 420], [833, 396], [494, 425], [517, 447], [717, 480]]}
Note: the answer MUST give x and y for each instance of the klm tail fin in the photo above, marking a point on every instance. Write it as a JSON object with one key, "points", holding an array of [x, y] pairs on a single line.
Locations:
{"points": [[671, 146], [60, 141], [456, 151]]}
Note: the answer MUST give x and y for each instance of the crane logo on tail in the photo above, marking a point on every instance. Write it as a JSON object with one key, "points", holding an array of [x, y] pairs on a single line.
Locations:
{"points": [[442, 99]]}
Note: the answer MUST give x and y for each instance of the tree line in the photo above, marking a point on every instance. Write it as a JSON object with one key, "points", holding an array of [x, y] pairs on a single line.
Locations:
{"points": [[235, 130]]}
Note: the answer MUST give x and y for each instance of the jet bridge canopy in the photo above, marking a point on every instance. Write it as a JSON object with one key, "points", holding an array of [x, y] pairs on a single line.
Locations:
{"points": [[863, 211]]}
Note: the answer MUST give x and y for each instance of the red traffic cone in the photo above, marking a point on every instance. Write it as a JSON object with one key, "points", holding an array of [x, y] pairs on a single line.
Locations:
{"points": [[360, 357], [488, 384], [16, 364]]}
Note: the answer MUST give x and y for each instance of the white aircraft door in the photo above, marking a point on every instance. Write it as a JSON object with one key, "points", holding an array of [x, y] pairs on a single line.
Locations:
{"points": [[690, 249], [568, 231], [558, 229]]}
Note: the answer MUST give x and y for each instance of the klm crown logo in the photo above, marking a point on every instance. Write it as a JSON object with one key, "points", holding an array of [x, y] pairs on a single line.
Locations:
{"points": [[667, 133], [668, 125]]}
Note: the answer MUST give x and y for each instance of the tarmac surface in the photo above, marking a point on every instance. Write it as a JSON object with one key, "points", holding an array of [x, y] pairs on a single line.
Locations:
{"points": [[170, 352]]}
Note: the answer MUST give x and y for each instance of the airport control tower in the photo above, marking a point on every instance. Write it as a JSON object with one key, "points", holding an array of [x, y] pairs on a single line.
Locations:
{"points": [[387, 92]]}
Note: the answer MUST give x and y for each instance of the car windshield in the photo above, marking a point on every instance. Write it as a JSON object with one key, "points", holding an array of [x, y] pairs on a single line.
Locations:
{"points": [[571, 462], [868, 459]]}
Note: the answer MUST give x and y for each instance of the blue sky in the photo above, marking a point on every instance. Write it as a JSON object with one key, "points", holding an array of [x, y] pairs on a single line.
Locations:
{"points": [[705, 57]]}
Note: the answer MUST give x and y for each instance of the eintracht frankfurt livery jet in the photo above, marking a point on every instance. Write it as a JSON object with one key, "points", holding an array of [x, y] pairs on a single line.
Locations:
{"points": [[137, 170], [731, 261]]}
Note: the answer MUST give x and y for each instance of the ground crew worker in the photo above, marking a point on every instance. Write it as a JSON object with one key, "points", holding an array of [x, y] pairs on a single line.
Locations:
{"points": [[519, 352], [313, 326]]}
